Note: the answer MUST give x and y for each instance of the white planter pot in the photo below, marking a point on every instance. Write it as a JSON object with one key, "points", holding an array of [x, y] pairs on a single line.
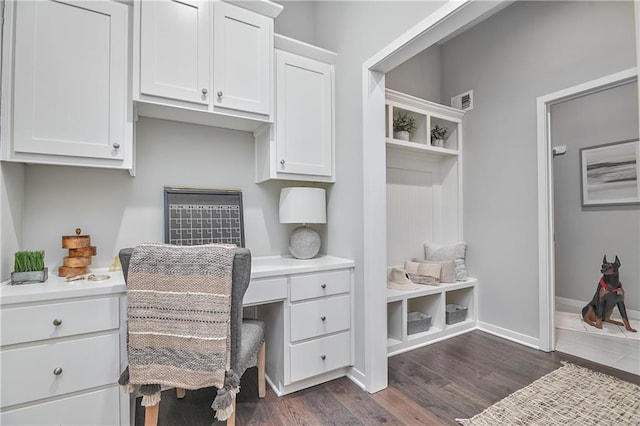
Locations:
{"points": [[403, 135], [437, 142]]}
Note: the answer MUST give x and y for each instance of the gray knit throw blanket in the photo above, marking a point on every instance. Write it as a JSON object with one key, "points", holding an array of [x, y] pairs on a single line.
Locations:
{"points": [[179, 315]]}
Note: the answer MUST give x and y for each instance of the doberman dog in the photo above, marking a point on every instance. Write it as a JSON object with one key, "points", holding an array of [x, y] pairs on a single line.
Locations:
{"points": [[609, 293]]}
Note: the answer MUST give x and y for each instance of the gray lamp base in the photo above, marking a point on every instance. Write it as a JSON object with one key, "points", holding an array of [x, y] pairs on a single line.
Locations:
{"points": [[304, 243]]}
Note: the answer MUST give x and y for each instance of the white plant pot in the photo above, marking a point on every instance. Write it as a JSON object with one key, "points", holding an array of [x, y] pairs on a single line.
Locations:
{"points": [[437, 142], [403, 135]]}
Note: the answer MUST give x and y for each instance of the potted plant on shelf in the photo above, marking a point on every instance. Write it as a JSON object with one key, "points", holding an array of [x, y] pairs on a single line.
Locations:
{"points": [[437, 135], [403, 126], [28, 267]]}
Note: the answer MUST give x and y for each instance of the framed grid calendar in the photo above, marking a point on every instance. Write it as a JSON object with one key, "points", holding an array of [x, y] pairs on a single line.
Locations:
{"points": [[203, 216]]}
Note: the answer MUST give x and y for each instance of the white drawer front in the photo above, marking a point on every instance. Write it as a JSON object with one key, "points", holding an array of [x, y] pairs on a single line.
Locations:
{"points": [[92, 408], [320, 316], [28, 373], [261, 291], [320, 356], [318, 285], [32, 323]]}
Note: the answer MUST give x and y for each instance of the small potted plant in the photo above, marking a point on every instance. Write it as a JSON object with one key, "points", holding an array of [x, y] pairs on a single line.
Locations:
{"points": [[437, 135], [403, 126], [28, 267]]}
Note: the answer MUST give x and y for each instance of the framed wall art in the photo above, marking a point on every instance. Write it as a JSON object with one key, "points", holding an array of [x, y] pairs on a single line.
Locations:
{"points": [[203, 216], [610, 174]]}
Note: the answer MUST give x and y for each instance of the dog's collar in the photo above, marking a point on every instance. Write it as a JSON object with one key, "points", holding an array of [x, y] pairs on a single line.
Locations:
{"points": [[604, 285]]}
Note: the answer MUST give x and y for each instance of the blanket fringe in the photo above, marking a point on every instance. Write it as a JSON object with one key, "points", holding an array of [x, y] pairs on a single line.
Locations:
{"points": [[149, 400], [223, 403]]}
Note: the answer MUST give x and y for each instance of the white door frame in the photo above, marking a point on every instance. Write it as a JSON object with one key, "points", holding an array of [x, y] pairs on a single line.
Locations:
{"points": [[450, 19], [546, 255]]}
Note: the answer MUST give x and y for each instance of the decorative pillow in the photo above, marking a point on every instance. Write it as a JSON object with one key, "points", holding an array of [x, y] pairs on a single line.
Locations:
{"points": [[455, 252], [447, 269], [422, 273]]}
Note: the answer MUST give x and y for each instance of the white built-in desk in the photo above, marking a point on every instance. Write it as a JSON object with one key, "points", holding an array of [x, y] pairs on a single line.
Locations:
{"points": [[307, 306], [62, 349]]}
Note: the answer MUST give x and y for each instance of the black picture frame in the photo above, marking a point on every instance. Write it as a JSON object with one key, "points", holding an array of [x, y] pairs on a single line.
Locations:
{"points": [[203, 216]]}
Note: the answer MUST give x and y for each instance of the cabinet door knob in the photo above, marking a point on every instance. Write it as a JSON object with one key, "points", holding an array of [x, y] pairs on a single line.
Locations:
{"points": [[282, 162], [57, 371], [323, 286], [57, 322], [205, 91], [323, 357], [323, 318], [220, 94], [116, 145]]}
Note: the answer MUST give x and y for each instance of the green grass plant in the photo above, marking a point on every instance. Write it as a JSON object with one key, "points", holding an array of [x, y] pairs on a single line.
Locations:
{"points": [[25, 261]]}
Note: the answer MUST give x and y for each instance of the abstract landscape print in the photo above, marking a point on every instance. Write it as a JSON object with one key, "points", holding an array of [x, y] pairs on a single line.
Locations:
{"points": [[610, 173]]}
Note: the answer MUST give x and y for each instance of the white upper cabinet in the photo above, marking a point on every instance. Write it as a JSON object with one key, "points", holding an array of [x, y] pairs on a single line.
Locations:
{"points": [[243, 46], [204, 62], [175, 50], [65, 84], [301, 145]]}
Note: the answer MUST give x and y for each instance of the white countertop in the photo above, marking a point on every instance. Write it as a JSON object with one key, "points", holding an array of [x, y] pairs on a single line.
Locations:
{"points": [[269, 266], [56, 288]]}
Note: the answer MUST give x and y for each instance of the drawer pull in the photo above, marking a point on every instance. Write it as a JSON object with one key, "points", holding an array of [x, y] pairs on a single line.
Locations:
{"points": [[323, 318], [57, 322], [323, 357], [57, 371], [323, 286]]}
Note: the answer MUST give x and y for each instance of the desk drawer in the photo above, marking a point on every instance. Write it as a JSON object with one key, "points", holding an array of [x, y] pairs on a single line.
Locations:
{"points": [[91, 408], [32, 323], [320, 356], [260, 291], [28, 373], [319, 285], [320, 316]]}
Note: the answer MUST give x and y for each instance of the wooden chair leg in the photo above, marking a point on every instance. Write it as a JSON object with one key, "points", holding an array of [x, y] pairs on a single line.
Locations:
{"points": [[262, 387], [151, 415], [231, 421], [180, 393]]}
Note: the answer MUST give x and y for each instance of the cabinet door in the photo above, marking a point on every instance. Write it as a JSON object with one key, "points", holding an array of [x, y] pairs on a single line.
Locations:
{"points": [[174, 50], [304, 115], [70, 78], [243, 42]]}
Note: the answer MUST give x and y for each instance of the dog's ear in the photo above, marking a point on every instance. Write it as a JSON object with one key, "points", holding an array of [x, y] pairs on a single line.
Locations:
{"points": [[617, 262], [604, 259]]}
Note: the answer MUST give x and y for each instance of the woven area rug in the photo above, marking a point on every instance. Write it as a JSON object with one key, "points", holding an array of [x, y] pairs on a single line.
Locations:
{"points": [[570, 395], [573, 321]]}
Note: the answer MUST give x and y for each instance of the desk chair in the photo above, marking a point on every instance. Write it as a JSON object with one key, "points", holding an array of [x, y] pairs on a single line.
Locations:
{"points": [[247, 336]]}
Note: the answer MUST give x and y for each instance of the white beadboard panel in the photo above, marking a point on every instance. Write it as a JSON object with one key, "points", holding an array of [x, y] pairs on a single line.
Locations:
{"points": [[411, 198]]}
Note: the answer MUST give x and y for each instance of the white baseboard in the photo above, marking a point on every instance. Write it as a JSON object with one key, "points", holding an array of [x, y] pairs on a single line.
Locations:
{"points": [[579, 304], [357, 377], [523, 339]]}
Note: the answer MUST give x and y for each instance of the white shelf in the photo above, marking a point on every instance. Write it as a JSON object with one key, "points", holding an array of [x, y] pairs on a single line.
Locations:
{"points": [[395, 295], [421, 148]]}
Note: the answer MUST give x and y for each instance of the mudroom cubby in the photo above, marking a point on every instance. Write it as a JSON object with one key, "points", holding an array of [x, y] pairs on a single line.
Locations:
{"points": [[424, 205], [430, 300]]}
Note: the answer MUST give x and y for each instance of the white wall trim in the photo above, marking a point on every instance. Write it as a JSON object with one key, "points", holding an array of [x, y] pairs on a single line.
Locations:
{"points": [[451, 18], [520, 338], [546, 255]]}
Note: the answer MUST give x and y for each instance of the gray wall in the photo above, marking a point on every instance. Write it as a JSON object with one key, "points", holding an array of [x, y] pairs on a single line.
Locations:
{"points": [[419, 76], [120, 211], [584, 234], [527, 50]]}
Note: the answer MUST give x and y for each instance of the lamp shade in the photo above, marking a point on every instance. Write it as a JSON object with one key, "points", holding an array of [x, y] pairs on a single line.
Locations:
{"points": [[303, 205]]}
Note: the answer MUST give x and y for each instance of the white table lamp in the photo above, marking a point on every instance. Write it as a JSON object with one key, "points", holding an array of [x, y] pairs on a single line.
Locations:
{"points": [[303, 205]]}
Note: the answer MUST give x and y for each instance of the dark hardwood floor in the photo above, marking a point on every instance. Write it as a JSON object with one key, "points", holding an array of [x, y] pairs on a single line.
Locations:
{"points": [[433, 385]]}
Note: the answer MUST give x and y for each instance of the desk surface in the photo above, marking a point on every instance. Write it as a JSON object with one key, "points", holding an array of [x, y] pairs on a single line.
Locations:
{"points": [[270, 266], [56, 287]]}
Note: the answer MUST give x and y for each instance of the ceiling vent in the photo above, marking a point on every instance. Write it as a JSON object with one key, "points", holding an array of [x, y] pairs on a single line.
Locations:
{"points": [[463, 101]]}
